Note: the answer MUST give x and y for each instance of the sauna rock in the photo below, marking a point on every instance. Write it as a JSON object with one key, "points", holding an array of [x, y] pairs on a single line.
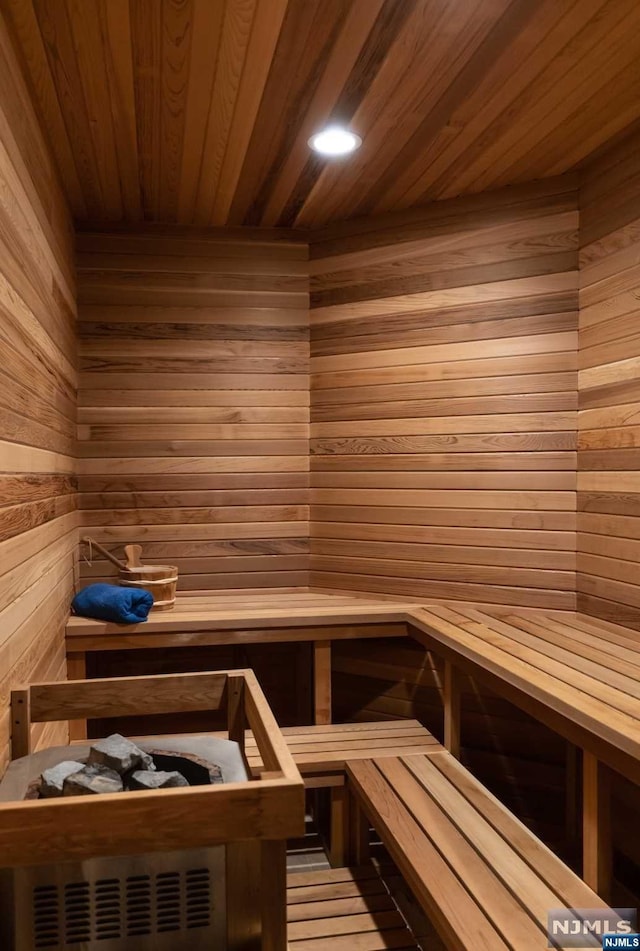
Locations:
{"points": [[92, 779], [156, 779], [119, 754], [53, 779], [115, 765]]}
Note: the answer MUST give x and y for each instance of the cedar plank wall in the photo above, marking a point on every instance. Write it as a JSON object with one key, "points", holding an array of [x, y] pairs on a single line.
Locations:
{"points": [[609, 387], [193, 403], [37, 404], [444, 400], [608, 575]]}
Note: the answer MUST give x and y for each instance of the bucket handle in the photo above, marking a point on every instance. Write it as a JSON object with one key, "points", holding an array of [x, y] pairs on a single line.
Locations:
{"points": [[103, 551]]}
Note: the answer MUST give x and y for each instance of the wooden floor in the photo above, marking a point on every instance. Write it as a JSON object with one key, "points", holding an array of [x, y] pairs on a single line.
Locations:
{"points": [[346, 909]]}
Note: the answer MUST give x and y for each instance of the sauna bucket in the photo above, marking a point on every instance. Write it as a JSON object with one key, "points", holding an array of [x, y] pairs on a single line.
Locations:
{"points": [[160, 580]]}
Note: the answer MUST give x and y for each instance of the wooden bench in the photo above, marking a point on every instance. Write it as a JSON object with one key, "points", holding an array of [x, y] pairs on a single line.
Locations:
{"points": [[321, 754], [578, 675], [346, 910], [484, 880], [267, 617]]}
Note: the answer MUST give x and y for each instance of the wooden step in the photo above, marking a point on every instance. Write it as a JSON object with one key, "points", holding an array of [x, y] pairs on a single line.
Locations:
{"points": [[327, 748], [347, 909]]}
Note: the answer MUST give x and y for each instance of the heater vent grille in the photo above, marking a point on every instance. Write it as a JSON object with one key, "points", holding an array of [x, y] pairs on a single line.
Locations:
{"points": [[114, 908]]}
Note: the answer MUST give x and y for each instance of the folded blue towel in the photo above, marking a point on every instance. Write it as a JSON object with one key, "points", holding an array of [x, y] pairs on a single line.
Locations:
{"points": [[108, 602]]}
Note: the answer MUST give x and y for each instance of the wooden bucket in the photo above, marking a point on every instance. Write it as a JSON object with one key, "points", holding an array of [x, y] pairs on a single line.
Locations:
{"points": [[160, 580]]}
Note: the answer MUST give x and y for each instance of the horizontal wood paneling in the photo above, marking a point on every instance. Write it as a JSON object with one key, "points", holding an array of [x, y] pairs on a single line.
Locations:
{"points": [[193, 404], [609, 387], [444, 401], [38, 497], [199, 111]]}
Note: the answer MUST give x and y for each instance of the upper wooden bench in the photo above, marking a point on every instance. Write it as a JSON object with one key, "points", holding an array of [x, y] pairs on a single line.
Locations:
{"points": [[578, 675], [269, 617], [485, 881], [223, 615]]}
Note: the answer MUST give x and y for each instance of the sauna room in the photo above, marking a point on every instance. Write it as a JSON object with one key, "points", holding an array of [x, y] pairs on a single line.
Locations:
{"points": [[319, 475]]}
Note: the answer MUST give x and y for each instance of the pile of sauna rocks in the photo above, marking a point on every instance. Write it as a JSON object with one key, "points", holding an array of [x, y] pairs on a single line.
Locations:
{"points": [[114, 764]]}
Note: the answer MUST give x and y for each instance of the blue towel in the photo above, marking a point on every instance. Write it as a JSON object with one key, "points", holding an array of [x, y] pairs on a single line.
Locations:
{"points": [[108, 602]]}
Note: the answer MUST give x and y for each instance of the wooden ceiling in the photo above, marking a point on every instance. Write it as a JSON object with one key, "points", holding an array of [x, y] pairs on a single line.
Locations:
{"points": [[199, 111]]}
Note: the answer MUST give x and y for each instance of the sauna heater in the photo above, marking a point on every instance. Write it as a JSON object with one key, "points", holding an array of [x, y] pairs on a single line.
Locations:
{"points": [[146, 902]]}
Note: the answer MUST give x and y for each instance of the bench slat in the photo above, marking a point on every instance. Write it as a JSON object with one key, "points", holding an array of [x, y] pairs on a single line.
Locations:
{"points": [[333, 730], [327, 748], [396, 939], [380, 921], [445, 899], [493, 652], [450, 837], [617, 689], [572, 891], [355, 904], [329, 891], [355, 746], [581, 645], [467, 863]]}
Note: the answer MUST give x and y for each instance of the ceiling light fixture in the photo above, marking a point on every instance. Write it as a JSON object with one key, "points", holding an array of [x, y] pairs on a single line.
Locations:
{"points": [[335, 140]]}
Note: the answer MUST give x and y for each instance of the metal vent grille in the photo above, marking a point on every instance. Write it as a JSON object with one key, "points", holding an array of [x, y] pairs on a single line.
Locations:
{"points": [[112, 908], [46, 921]]}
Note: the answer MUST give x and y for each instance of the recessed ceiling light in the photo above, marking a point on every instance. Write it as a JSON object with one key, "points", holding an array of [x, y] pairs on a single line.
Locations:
{"points": [[335, 140]]}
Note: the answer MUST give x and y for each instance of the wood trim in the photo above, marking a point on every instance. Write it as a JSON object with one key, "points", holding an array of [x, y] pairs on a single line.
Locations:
{"points": [[597, 868], [322, 681], [452, 709]]}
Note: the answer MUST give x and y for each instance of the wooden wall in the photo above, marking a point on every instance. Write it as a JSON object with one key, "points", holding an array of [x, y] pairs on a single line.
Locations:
{"points": [[609, 387], [444, 400], [193, 403], [37, 402]]}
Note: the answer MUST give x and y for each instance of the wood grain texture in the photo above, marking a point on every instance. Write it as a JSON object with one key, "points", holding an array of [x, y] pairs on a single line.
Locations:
{"points": [[345, 908], [466, 858], [199, 112], [193, 406], [609, 387], [38, 496], [444, 401]]}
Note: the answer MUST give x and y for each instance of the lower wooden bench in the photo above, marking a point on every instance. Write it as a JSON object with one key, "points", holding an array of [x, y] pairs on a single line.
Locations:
{"points": [[322, 752], [484, 880]]}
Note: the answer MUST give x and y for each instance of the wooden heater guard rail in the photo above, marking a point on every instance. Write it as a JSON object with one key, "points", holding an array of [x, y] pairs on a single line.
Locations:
{"points": [[253, 819]]}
